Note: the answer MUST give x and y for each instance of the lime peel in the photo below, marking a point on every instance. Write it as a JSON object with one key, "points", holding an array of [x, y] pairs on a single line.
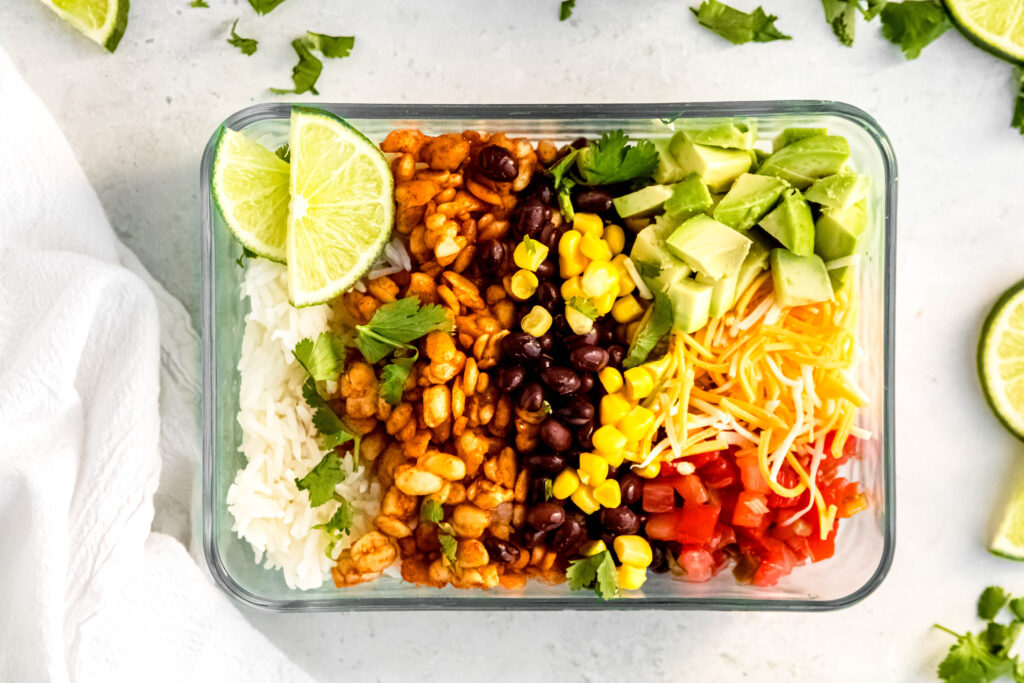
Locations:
{"points": [[1001, 359], [102, 21], [996, 26]]}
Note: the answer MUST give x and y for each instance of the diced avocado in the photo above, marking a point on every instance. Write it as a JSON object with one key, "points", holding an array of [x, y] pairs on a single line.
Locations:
{"points": [[728, 135], [656, 265], [689, 197], [791, 135], [839, 191], [838, 234], [667, 170], [791, 223], [723, 295], [804, 161], [643, 202], [799, 280], [750, 198], [716, 166], [756, 261], [708, 246], [691, 304], [669, 274], [664, 225]]}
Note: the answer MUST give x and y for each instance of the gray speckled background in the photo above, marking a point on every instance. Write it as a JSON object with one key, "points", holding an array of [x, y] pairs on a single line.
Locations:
{"points": [[138, 121]]}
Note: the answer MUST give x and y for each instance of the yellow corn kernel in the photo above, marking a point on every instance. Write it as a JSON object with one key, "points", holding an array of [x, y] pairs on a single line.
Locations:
{"points": [[657, 368], [529, 255], [591, 548], [537, 321], [639, 383], [588, 224], [598, 278], [571, 288], [615, 236], [637, 423], [614, 459], [614, 407], [626, 284], [584, 499], [593, 469], [578, 323], [631, 330], [608, 439], [569, 244], [611, 379], [649, 472], [608, 493], [523, 284], [606, 301], [565, 484], [627, 309], [631, 578], [632, 454], [633, 550], [570, 266], [595, 248]]}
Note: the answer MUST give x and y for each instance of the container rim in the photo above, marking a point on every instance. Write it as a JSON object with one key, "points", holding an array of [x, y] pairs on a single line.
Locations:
{"points": [[666, 110]]}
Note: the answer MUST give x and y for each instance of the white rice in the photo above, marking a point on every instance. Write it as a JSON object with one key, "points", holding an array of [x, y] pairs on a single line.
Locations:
{"points": [[279, 442]]}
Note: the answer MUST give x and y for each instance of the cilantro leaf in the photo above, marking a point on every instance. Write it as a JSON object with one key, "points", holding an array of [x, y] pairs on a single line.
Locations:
{"points": [[449, 546], [246, 45], [612, 160], [323, 359], [581, 573], [1001, 637], [647, 269], [565, 9], [340, 524], [264, 6], [597, 572], [873, 9], [398, 323], [842, 16], [305, 73], [969, 659], [584, 306], [530, 245], [1018, 106], [1017, 608], [431, 511], [913, 24], [199, 3], [284, 152], [549, 489], [991, 601], [321, 480], [738, 27], [653, 328], [559, 172], [394, 377], [334, 47], [565, 198], [332, 429]]}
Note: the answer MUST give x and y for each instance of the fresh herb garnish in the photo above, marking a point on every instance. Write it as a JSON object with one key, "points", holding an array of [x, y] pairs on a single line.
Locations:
{"points": [[530, 245], [1018, 105], [449, 547], [199, 3], [323, 359], [332, 429], [563, 182], [985, 656], [264, 6], [597, 572], [284, 152], [394, 377], [991, 601], [398, 323], [246, 45], [842, 17], [612, 160], [584, 306], [913, 24], [332, 47], [322, 479], [565, 9], [340, 524], [549, 489], [738, 27], [431, 511], [653, 328], [647, 269], [305, 73]]}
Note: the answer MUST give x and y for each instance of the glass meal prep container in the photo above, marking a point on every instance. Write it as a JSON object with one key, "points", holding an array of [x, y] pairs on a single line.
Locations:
{"points": [[865, 542]]}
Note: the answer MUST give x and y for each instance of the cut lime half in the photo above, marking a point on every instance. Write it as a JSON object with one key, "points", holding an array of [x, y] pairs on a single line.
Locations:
{"points": [[250, 189], [1009, 538], [342, 206], [103, 21], [1001, 359], [993, 25]]}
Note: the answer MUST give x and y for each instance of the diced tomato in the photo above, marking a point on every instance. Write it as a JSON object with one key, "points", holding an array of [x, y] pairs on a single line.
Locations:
{"points": [[788, 478], [661, 526], [727, 499], [750, 509], [821, 549], [696, 523], [719, 473], [777, 560], [801, 547], [701, 459], [691, 489], [724, 536], [658, 495], [750, 473], [697, 563]]}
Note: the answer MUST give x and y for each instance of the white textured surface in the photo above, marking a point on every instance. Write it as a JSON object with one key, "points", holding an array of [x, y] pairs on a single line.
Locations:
{"points": [[138, 121]]}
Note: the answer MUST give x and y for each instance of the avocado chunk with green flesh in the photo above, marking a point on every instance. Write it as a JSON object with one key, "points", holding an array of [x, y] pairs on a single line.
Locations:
{"points": [[838, 234], [728, 135], [709, 247], [799, 280], [667, 276], [667, 170], [839, 191], [723, 294], [665, 224], [804, 161], [690, 196], [716, 166], [653, 261], [750, 198], [691, 304], [643, 202], [791, 223], [791, 135]]}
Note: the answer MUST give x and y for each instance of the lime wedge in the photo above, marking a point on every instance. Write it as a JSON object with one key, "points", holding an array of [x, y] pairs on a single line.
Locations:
{"points": [[1009, 539], [250, 188], [342, 206], [103, 21], [1001, 359], [993, 25]]}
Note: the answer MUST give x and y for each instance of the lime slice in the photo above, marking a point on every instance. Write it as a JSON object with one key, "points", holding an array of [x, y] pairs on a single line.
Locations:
{"points": [[250, 188], [342, 206], [993, 25], [103, 21], [1001, 359], [1009, 539]]}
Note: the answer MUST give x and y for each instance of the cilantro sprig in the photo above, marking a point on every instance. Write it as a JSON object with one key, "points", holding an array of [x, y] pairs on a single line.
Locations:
{"points": [[584, 306], [596, 572], [431, 511], [323, 359], [985, 656], [738, 27], [913, 24], [321, 480], [307, 70], [613, 160], [340, 524], [246, 45], [653, 328]]}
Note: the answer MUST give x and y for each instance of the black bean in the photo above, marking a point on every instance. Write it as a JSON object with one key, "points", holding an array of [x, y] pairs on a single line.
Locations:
{"points": [[547, 342], [540, 187], [490, 256], [583, 435], [546, 516], [529, 217], [586, 383], [659, 559], [562, 381], [549, 297], [544, 362], [579, 143], [593, 200], [615, 355], [546, 270], [537, 490], [548, 236], [550, 463], [521, 346], [588, 358], [531, 398], [568, 535], [631, 487], [497, 163], [510, 378], [605, 335], [555, 434], [559, 324], [578, 411], [620, 520], [533, 537], [502, 551], [587, 339]]}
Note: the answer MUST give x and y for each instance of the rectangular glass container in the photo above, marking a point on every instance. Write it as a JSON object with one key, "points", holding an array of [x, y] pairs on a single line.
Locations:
{"points": [[865, 543]]}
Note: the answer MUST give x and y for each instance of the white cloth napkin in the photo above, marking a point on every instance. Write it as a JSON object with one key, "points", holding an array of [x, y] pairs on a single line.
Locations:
{"points": [[95, 357]]}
